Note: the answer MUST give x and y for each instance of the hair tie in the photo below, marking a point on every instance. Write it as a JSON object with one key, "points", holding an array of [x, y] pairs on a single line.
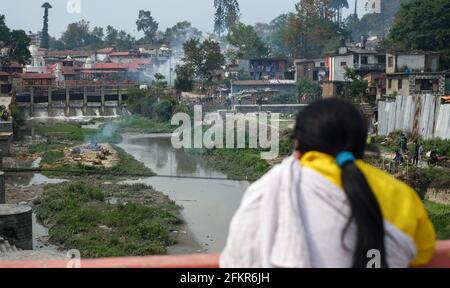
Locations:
{"points": [[344, 158]]}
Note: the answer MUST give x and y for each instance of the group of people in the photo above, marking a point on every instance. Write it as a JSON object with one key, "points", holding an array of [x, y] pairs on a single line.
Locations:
{"points": [[404, 154]]}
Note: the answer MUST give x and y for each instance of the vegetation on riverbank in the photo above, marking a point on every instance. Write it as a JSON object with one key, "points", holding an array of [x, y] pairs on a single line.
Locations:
{"points": [[440, 216], [245, 164], [141, 124], [80, 216]]}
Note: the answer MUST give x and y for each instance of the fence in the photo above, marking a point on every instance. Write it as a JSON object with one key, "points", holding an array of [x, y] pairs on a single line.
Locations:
{"points": [[423, 115]]}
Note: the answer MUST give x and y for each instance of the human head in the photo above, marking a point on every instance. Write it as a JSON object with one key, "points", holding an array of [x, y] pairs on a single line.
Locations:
{"points": [[331, 126]]}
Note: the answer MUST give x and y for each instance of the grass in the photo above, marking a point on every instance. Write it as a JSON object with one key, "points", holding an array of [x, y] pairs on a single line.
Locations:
{"points": [[440, 216], [243, 164], [79, 218], [144, 125], [74, 132]]}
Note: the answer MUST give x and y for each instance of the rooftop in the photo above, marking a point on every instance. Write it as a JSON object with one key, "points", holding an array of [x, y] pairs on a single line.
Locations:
{"points": [[31, 76]]}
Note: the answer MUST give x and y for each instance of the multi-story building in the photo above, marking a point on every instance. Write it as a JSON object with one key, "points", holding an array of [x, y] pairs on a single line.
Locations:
{"points": [[265, 68], [414, 72], [313, 70]]}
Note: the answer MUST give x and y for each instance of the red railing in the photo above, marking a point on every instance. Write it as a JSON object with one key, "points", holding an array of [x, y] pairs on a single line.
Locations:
{"points": [[440, 260]]}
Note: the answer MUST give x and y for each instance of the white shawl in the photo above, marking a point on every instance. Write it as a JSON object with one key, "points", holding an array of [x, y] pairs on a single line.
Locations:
{"points": [[293, 217]]}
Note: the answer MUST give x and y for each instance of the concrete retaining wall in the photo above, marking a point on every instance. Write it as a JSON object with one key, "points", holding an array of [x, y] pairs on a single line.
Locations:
{"points": [[16, 225], [281, 108]]}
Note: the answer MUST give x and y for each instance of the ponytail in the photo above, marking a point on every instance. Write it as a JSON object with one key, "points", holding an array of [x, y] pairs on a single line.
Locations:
{"points": [[366, 213], [336, 127]]}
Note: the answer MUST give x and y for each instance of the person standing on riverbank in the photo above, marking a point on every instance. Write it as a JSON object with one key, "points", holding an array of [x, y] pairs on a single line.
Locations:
{"points": [[326, 207]]}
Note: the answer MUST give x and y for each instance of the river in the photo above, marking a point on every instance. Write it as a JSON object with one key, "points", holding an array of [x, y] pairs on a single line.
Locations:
{"points": [[208, 204]]}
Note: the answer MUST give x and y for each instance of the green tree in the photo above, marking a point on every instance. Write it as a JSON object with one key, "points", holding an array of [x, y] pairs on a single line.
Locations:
{"points": [[278, 31], [356, 88], [246, 43], [308, 91], [184, 81], [337, 6], [310, 32], [203, 58], [226, 16], [76, 35], [119, 39], [45, 38], [148, 25], [13, 44], [424, 25]]}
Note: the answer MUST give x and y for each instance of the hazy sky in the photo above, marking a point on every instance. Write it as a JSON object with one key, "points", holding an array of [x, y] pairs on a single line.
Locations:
{"points": [[122, 14]]}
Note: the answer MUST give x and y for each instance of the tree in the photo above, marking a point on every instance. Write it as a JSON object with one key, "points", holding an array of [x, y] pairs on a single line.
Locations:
{"points": [[246, 43], [45, 40], [310, 31], [278, 32], [76, 35], [18, 48], [180, 33], [56, 44], [226, 16], [308, 91], [337, 6], [423, 25], [13, 45], [119, 39], [184, 81], [203, 59], [356, 88], [148, 25]]}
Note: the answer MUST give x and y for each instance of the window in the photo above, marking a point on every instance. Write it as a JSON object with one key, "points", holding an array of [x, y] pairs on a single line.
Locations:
{"points": [[400, 84], [390, 62], [343, 63], [364, 60], [390, 83]]}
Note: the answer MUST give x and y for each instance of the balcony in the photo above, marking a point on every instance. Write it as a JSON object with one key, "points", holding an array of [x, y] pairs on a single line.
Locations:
{"points": [[440, 260], [369, 67]]}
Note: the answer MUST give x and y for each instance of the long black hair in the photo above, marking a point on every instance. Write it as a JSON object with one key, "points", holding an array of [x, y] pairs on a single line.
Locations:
{"points": [[332, 126]]}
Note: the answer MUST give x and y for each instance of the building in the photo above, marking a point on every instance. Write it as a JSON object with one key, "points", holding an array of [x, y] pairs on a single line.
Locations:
{"points": [[377, 84], [313, 70], [52, 57], [373, 6], [38, 79], [362, 60], [414, 72], [265, 68], [368, 63], [38, 63], [5, 83]]}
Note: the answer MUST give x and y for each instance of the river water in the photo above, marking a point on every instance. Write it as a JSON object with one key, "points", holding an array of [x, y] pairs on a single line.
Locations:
{"points": [[208, 204]]}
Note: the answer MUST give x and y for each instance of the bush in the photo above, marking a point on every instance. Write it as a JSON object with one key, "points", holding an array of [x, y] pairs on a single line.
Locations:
{"points": [[163, 110]]}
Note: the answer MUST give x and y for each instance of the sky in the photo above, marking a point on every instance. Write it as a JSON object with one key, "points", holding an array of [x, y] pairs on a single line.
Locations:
{"points": [[122, 14]]}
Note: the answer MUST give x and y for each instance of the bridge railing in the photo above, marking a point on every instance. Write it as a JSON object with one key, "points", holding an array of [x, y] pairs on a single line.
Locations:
{"points": [[441, 259]]}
